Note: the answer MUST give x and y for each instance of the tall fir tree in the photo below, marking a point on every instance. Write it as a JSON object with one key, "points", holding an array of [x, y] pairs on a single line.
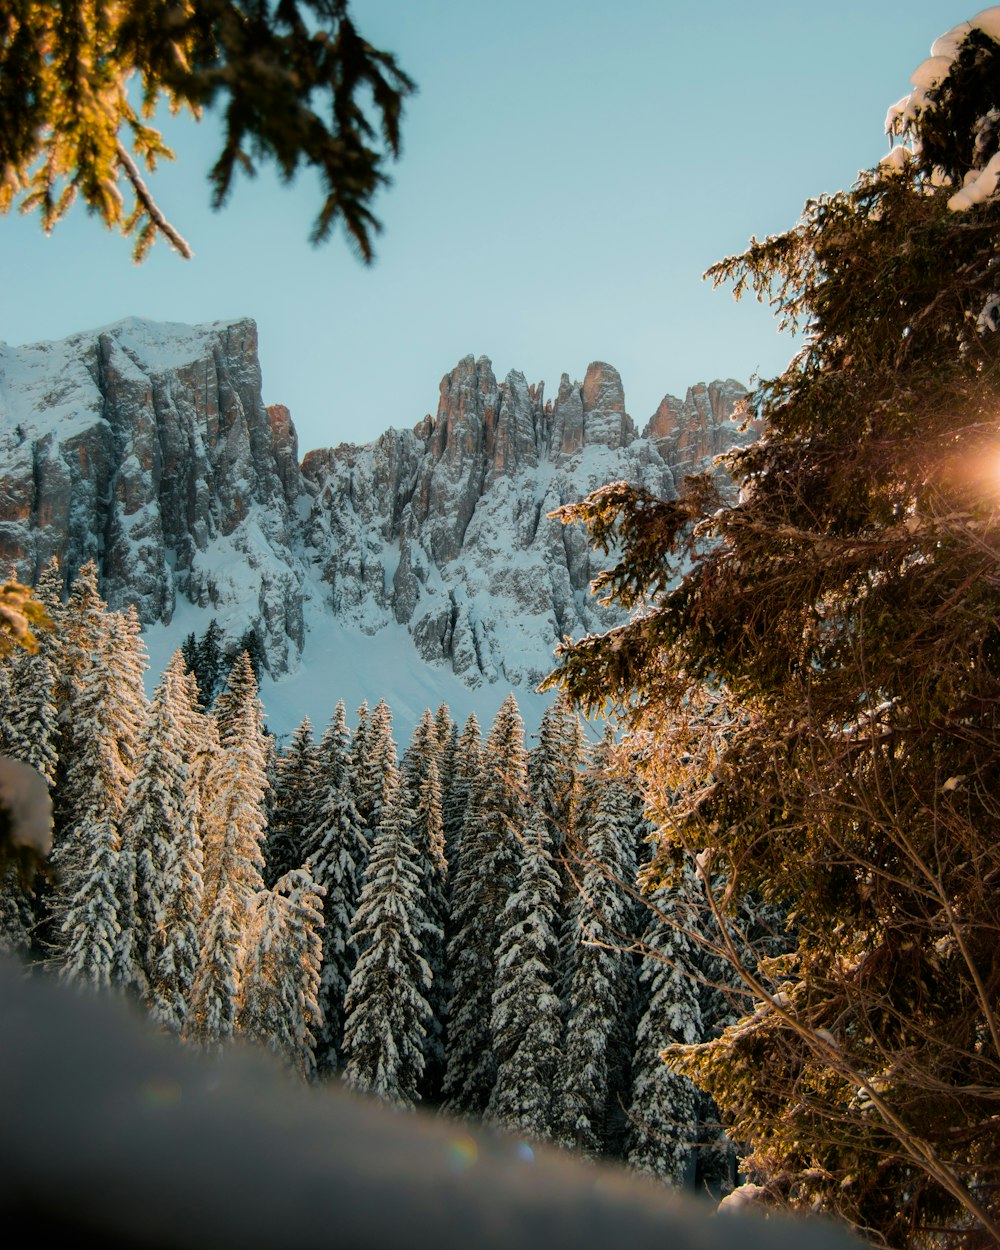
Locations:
{"points": [[293, 803], [102, 712], [421, 776], [386, 1006], [526, 1018], [485, 876], [463, 778], [665, 1111], [234, 826], [90, 926], [208, 663], [374, 750], [162, 855], [279, 996], [552, 770], [600, 1021], [338, 852]]}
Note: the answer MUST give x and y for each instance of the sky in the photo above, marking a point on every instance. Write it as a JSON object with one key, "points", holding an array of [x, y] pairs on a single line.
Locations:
{"points": [[570, 170]]}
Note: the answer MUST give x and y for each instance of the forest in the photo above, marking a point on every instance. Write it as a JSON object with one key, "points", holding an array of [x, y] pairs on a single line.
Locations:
{"points": [[460, 926]]}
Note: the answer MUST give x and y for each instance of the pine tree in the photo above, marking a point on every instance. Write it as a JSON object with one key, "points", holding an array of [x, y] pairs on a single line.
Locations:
{"points": [[333, 754], [599, 1039], [447, 736], [90, 925], [421, 778], [485, 876], [329, 100], [162, 853], [526, 1021], [279, 999], [293, 801], [665, 1110], [30, 725], [251, 646], [463, 778], [374, 748], [233, 825], [386, 1006], [103, 706], [338, 852], [552, 770], [208, 663], [841, 606]]}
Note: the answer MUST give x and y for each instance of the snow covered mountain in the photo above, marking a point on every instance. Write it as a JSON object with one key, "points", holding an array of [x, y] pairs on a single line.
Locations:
{"points": [[148, 447]]}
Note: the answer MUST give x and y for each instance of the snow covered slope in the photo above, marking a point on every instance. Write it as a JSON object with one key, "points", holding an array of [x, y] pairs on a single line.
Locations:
{"points": [[424, 561]]}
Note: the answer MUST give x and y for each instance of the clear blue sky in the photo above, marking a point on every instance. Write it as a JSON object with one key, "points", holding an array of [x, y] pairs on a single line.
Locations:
{"points": [[570, 169]]}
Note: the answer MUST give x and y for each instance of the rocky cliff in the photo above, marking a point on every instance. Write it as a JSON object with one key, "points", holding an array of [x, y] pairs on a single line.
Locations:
{"points": [[148, 447]]}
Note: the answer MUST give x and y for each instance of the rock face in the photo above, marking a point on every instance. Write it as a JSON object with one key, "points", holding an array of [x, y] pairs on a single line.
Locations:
{"points": [[148, 448]]}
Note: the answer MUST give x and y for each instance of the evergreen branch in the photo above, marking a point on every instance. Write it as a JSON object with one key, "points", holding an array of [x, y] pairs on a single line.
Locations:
{"points": [[152, 210]]}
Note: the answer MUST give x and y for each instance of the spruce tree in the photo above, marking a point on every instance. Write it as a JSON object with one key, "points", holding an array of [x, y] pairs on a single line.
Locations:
{"points": [[208, 663], [665, 1109], [374, 750], [293, 802], [90, 925], [421, 778], [161, 850], [485, 876], [463, 778], [102, 707], [338, 852], [233, 825], [526, 1017], [841, 607], [600, 1021], [386, 1006], [279, 995], [552, 770]]}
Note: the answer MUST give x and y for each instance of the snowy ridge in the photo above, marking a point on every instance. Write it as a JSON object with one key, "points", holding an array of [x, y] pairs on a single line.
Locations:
{"points": [[148, 448]]}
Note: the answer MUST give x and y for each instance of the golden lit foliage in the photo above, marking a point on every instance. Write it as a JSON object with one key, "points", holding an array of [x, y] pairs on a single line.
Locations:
{"points": [[81, 79]]}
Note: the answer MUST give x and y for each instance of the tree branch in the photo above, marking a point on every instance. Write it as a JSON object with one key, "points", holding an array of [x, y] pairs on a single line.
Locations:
{"points": [[177, 241]]}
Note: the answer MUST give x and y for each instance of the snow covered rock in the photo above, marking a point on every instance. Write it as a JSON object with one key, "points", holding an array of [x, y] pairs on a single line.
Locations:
{"points": [[148, 448]]}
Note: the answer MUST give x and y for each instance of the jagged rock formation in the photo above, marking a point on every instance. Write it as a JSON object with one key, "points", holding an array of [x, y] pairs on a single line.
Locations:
{"points": [[148, 448]]}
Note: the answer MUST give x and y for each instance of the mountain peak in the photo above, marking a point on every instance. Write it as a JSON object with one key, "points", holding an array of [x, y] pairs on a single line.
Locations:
{"points": [[148, 448]]}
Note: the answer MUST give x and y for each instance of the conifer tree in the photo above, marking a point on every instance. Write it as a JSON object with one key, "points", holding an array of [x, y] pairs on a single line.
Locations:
{"points": [[234, 825], [421, 778], [842, 606], [162, 852], [463, 779], [293, 803], [374, 749], [333, 753], [338, 853], [294, 83], [485, 876], [208, 663], [90, 924], [386, 1006], [447, 736], [30, 725], [526, 1019], [598, 1038], [552, 770], [103, 706], [665, 1109], [279, 997]]}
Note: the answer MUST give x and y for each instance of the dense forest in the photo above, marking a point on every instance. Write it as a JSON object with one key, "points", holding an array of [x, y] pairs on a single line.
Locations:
{"points": [[462, 925]]}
